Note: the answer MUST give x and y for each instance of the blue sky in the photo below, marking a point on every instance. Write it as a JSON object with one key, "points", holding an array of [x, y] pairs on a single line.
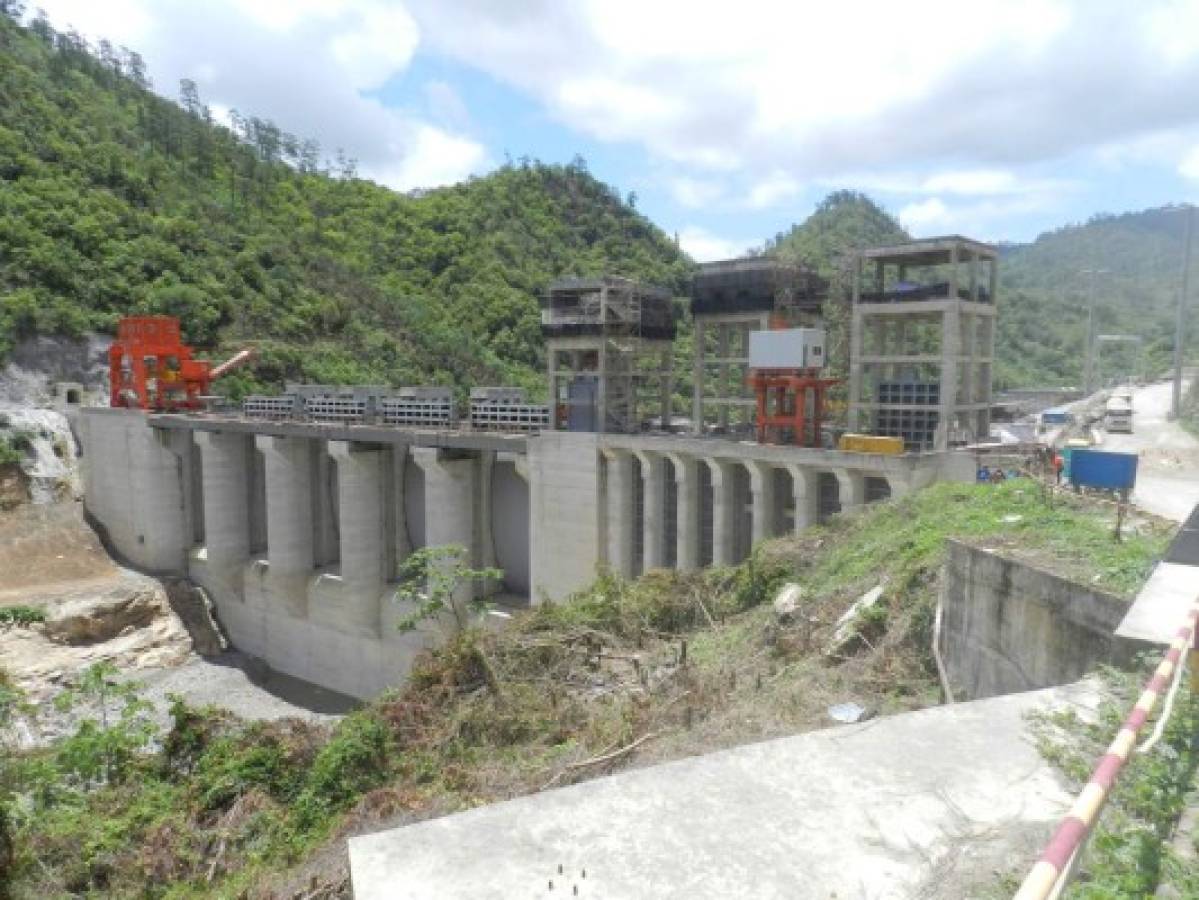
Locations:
{"points": [[995, 118]]}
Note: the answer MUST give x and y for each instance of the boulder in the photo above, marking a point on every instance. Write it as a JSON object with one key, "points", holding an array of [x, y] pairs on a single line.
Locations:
{"points": [[89, 620], [846, 630], [787, 603]]}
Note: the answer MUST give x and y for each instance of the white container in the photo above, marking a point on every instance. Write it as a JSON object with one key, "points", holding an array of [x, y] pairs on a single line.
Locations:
{"points": [[787, 348]]}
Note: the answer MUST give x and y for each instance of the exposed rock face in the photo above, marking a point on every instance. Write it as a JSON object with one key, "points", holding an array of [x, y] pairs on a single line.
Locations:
{"points": [[126, 620], [14, 486], [195, 609], [88, 620]]}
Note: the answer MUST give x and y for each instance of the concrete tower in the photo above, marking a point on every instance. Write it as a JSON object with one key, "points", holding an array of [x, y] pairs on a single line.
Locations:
{"points": [[608, 347], [923, 341]]}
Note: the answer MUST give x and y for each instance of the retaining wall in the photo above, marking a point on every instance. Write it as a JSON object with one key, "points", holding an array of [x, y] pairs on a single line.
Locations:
{"points": [[1010, 627]]}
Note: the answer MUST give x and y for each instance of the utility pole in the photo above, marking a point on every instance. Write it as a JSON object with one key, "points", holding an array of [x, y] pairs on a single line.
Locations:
{"points": [[1176, 405], [1089, 353]]}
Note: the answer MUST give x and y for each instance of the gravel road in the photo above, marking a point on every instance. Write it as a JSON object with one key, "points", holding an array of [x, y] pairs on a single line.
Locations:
{"points": [[1168, 473]]}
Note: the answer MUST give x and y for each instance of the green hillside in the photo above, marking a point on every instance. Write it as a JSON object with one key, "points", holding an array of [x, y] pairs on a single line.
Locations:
{"points": [[113, 200], [1045, 292]]}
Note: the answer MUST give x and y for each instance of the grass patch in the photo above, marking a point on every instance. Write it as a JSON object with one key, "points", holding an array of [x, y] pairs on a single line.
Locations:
{"points": [[21, 616]]}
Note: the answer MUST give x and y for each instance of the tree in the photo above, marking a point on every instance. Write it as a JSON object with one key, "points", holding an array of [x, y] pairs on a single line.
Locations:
{"points": [[135, 68], [101, 748], [434, 579], [189, 97]]}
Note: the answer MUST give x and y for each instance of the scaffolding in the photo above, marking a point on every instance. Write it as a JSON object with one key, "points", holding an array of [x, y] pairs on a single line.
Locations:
{"points": [[608, 344], [923, 342], [730, 299]]}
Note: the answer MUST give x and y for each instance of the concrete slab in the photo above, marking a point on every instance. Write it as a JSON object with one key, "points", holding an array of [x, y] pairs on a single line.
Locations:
{"points": [[1161, 607], [931, 804]]}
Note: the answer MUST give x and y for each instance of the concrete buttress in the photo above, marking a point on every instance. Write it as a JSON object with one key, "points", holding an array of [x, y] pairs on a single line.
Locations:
{"points": [[686, 476], [724, 513], [224, 464], [761, 481], [653, 475], [450, 504], [289, 526], [619, 511]]}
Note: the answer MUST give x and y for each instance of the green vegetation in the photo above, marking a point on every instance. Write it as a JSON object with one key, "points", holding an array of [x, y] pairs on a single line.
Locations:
{"points": [[12, 449], [430, 577], [1129, 853], [1044, 296], [116, 201], [1070, 536], [665, 666], [21, 616]]}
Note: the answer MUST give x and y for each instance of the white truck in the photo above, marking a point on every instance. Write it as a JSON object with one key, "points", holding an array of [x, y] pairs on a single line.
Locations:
{"points": [[1117, 415]]}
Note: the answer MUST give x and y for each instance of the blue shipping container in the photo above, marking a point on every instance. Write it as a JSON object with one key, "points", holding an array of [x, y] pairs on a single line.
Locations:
{"points": [[1103, 469]]}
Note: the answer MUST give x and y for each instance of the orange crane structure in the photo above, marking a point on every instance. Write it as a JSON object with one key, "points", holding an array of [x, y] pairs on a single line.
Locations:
{"points": [[150, 368]]}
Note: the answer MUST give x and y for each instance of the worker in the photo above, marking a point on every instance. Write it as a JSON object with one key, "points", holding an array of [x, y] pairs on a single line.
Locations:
{"points": [[1058, 463]]}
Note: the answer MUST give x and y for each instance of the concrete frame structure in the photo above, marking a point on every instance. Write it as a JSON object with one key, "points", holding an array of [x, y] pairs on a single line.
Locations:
{"points": [[613, 337], [937, 338], [729, 299]]}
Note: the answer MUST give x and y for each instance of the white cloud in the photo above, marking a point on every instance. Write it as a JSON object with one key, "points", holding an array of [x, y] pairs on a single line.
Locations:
{"points": [[381, 43], [925, 217], [1189, 167], [985, 217], [694, 193], [975, 91], [772, 191], [302, 63], [704, 246], [431, 157]]}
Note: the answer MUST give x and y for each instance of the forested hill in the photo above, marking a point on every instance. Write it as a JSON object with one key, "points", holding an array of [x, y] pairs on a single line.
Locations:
{"points": [[114, 201], [1046, 285]]}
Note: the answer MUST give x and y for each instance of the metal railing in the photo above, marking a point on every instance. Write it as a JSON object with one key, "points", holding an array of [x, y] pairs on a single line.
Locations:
{"points": [[1053, 871]]}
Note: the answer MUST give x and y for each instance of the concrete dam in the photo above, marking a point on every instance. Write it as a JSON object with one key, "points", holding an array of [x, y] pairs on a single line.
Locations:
{"points": [[297, 530], [296, 513]]}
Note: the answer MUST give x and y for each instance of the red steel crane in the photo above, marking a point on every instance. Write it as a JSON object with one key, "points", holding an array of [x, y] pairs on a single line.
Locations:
{"points": [[150, 368]]}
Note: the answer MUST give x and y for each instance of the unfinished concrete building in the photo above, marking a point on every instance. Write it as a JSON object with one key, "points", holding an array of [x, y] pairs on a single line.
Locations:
{"points": [[608, 346], [729, 299], [923, 342]]}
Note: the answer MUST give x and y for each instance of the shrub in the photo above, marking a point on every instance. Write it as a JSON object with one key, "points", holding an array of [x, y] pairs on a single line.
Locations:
{"points": [[351, 763], [21, 616]]}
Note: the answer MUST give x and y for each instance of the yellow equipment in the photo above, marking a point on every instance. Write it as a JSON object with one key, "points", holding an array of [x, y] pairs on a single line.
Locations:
{"points": [[871, 443]]}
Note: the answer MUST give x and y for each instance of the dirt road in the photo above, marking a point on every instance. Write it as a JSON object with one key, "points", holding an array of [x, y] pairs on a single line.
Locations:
{"points": [[1168, 473]]}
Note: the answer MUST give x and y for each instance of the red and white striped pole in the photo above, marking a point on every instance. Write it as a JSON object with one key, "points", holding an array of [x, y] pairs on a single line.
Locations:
{"points": [[1083, 815]]}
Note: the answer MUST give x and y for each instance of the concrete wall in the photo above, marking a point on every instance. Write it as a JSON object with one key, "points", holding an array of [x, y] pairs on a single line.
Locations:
{"points": [[135, 487], [1010, 627]]}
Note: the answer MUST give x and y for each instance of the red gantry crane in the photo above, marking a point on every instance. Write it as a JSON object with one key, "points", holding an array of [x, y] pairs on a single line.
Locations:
{"points": [[150, 368]]}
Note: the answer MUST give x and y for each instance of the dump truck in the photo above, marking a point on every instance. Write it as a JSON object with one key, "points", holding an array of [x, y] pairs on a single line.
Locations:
{"points": [[1117, 414]]}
